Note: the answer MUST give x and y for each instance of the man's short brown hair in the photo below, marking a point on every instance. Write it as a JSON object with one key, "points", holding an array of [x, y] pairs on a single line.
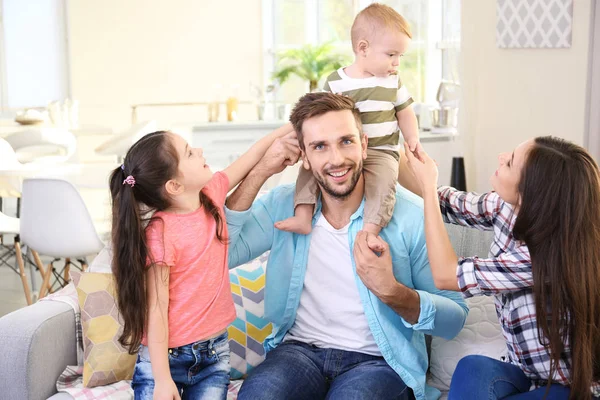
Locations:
{"points": [[318, 103]]}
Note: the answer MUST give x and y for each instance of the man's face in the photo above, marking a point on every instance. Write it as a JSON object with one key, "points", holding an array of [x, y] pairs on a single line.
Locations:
{"points": [[334, 151]]}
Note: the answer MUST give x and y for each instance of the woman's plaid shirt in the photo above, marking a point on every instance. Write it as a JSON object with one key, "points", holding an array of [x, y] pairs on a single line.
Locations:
{"points": [[506, 275]]}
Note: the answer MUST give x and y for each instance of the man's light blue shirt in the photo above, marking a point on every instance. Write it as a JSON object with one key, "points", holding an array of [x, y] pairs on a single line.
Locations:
{"points": [[442, 313]]}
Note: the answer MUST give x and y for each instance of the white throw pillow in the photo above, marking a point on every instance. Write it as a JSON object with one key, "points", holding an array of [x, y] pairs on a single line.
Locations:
{"points": [[480, 335], [102, 262]]}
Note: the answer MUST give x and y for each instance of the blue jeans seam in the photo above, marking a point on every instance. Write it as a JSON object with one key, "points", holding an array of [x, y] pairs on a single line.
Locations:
{"points": [[491, 394]]}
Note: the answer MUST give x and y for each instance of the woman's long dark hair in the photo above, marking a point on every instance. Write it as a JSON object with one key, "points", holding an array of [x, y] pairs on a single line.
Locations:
{"points": [[559, 220], [151, 161]]}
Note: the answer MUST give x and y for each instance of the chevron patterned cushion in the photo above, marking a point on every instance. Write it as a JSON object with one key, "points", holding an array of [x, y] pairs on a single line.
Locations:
{"points": [[249, 330]]}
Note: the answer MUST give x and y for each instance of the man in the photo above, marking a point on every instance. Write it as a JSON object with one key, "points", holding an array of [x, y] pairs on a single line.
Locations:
{"points": [[345, 325]]}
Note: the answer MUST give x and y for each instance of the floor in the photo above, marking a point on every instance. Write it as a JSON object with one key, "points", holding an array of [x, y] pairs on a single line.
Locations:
{"points": [[12, 295]]}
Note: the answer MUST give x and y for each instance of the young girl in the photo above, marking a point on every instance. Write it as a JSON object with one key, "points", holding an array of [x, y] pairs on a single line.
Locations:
{"points": [[543, 269], [171, 270]]}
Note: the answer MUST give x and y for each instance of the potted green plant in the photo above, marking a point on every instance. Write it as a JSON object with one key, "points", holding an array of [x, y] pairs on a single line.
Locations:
{"points": [[309, 62]]}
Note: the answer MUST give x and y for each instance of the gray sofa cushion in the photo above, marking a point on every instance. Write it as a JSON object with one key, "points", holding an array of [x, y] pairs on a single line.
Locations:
{"points": [[36, 344]]}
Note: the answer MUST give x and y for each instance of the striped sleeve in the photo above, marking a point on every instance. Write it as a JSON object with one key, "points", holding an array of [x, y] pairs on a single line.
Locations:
{"points": [[508, 272], [334, 76], [403, 98], [468, 208]]}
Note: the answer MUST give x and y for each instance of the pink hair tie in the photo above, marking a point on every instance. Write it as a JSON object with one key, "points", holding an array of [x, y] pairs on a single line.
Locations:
{"points": [[129, 180]]}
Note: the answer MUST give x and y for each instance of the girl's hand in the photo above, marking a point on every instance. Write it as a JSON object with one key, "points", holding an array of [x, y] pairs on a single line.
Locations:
{"points": [[166, 390], [424, 169]]}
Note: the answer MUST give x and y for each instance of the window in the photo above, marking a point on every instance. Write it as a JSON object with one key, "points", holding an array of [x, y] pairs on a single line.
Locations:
{"points": [[433, 55], [33, 54]]}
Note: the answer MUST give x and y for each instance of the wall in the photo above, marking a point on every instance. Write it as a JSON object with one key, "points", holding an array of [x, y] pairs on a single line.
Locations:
{"points": [[511, 95], [148, 51], [593, 128]]}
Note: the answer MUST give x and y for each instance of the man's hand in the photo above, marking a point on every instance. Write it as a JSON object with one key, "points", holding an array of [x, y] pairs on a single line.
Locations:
{"points": [[375, 271], [282, 153], [377, 275]]}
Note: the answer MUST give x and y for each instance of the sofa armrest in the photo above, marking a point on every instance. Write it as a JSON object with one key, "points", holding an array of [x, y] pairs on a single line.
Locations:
{"points": [[36, 344]]}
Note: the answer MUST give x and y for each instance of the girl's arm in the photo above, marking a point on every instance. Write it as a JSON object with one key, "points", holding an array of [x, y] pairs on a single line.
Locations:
{"points": [[240, 167], [469, 209], [158, 331], [442, 258]]}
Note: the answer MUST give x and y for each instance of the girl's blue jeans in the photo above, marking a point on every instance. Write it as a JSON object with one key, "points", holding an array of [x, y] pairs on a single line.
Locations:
{"points": [[483, 378], [200, 370]]}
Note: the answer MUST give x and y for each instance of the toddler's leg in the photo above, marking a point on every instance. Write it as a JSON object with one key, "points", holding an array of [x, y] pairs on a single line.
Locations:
{"points": [[381, 170], [301, 222], [305, 199]]}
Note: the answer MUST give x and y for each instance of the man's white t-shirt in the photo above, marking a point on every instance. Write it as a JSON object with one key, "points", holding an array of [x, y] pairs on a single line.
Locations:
{"points": [[330, 313]]}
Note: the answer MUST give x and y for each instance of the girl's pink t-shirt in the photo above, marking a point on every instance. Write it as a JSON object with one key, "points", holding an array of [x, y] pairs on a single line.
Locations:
{"points": [[200, 301]]}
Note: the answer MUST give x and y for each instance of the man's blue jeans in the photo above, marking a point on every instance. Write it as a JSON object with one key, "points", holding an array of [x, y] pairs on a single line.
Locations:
{"points": [[296, 370], [483, 378]]}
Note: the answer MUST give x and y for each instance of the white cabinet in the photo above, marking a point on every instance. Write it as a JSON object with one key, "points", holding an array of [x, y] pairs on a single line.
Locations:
{"points": [[224, 142]]}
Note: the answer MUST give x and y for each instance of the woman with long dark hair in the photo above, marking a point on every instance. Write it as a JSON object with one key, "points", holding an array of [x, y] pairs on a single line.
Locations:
{"points": [[543, 269], [170, 269]]}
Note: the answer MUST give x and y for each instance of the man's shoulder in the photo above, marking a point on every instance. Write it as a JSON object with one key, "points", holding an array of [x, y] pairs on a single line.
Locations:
{"points": [[408, 203], [281, 191], [279, 198], [408, 213]]}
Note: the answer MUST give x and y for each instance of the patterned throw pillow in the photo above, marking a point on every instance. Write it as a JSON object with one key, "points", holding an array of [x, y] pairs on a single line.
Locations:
{"points": [[105, 361], [249, 330]]}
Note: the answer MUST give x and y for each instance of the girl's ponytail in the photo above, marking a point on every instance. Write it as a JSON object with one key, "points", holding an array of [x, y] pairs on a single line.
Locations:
{"points": [[129, 258], [137, 188]]}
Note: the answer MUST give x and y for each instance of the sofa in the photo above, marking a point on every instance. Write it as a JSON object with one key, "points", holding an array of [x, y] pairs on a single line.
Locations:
{"points": [[37, 342]]}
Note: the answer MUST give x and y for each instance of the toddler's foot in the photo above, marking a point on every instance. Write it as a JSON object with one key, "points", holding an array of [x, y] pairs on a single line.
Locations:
{"points": [[296, 225]]}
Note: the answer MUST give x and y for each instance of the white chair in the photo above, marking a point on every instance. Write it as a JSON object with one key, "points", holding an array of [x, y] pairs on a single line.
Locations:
{"points": [[11, 226], [10, 185], [43, 145], [55, 222], [11, 171]]}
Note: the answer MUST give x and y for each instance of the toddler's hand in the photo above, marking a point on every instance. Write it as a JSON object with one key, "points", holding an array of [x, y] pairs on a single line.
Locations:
{"points": [[415, 147], [425, 169], [375, 243]]}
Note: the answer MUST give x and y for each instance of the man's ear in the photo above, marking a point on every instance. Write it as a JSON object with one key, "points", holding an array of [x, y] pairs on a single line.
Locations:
{"points": [[173, 187], [364, 141], [305, 163], [362, 48]]}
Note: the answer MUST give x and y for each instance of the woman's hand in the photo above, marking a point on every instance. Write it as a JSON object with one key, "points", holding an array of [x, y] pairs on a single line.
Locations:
{"points": [[166, 390], [424, 169]]}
